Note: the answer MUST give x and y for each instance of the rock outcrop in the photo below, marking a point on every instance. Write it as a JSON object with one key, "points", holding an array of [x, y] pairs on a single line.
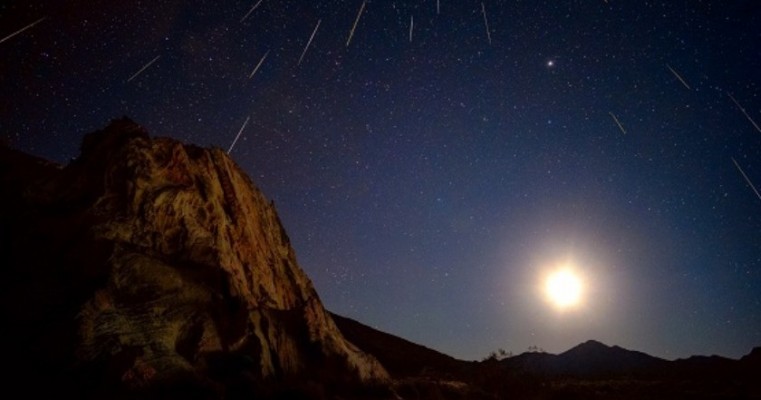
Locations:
{"points": [[147, 264]]}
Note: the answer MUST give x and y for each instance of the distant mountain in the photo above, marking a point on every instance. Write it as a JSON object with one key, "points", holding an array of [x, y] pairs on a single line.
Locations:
{"points": [[595, 358], [532, 363], [590, 358], [716, 367], [590, 370]]}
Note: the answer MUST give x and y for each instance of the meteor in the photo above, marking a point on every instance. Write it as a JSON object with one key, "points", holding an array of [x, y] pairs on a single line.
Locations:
{"points": [[746, 178], [678, 77], [356, 21], [251, 75], [486, 22], [309, 42], [621, 127], [251, 10], [23, 29], [744, 112], [143, 69], [238, 135]]}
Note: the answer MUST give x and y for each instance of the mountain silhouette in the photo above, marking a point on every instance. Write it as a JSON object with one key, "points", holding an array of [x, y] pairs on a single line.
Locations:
{"points": [[590, 370], [594, 358], [591, 358]]}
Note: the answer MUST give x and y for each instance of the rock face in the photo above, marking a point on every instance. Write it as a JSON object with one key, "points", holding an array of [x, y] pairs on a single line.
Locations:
{"points": [[146, 263]]}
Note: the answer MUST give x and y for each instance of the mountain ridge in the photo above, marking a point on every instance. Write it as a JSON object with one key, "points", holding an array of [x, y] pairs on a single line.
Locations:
{"points": [[589, 358]]}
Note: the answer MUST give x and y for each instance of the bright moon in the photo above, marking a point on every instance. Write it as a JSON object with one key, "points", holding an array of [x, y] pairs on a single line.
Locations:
{"points": [[563, 289]]}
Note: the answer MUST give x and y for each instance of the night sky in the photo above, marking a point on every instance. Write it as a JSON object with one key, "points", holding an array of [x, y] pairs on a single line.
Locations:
{"points": [[428, 177]]}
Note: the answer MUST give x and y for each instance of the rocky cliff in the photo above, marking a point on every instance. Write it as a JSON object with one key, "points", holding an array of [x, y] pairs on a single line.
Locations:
{"points": [[145, 264]]}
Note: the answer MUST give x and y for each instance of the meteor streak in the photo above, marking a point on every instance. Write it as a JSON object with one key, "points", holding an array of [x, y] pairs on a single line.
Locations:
{"points": [[251, 10], [746, 179], [23, 29], [356, 21], [314, 32], [678, 77], [251, 75], [143, 69], [412, 24], [238, 135], [621, 127], [486, 22], [755, 125]]}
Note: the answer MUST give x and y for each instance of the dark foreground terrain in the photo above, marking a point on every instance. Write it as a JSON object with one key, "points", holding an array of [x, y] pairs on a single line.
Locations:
{"points": [[591, 370]]}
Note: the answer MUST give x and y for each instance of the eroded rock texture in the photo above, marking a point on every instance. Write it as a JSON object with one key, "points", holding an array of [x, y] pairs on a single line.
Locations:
{"points": [[148, 265]]}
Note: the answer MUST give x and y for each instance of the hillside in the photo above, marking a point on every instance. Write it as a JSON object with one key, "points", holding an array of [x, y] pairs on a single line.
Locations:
{"points": [[401, 357]]}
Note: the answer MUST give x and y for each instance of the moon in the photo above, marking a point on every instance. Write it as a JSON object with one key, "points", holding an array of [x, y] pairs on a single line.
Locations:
{"points": [[563, 288]]}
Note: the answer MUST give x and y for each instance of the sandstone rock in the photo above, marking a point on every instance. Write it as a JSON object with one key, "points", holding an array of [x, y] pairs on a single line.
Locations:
{"points": [[147, 261]]}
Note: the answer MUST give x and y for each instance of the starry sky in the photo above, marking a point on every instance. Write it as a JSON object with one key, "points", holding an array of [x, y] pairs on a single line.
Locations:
{"points": [[432, 167]]}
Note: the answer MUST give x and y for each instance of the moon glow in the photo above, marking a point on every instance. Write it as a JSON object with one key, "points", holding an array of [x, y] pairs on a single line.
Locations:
{"points": [[563, 289]]}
